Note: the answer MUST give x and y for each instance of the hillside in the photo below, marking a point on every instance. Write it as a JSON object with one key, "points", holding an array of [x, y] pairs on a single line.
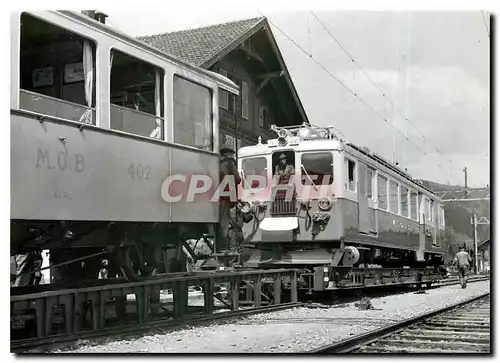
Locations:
{"points": [[458, 213]]}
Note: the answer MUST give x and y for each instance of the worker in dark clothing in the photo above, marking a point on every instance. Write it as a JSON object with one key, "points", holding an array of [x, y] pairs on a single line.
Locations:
{"points": [[228, 167], [463, 261], [236, 221], [284, 170]]}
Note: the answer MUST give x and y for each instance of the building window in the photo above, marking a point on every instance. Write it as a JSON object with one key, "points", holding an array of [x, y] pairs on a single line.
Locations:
{"points": [[393, 198], [223, 95], [414, 205], [263, 116], [230, 140], [350, 183], [244, 100], [370, 173], [317, 169], [193, 124], [404, 201], [136, 96], [382, 192], [57, 71]]}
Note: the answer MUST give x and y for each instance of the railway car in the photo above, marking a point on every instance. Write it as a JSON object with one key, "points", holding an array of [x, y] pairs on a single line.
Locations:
{"points": [[326, 205], [98, 121]]}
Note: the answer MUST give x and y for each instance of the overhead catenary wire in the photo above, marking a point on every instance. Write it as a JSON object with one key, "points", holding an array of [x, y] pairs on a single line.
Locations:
{"points": [[485, 25], [370, 107], [384, 94]]}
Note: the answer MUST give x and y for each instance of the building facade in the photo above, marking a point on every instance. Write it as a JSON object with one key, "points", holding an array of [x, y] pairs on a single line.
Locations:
{"points": [[247, 53]]}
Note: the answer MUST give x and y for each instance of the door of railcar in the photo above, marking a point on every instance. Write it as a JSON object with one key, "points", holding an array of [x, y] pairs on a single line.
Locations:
{"points": [[363, 209]]}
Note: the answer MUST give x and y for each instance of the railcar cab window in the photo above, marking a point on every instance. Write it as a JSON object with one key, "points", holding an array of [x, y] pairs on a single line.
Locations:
{"points": [[317, 169], [283, 163], [57, 71], [432, 212], [382, 192], [136, 96], [350, 183], [254, 172], [404, 201], [193, 122], [414, 205]]}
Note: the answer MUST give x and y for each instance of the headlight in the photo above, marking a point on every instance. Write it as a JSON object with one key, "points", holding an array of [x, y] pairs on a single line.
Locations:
{"points": [[324, 203]]}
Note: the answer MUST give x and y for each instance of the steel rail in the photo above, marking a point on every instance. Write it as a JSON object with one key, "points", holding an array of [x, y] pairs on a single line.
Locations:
{"points": [[348, 345], [21, 346]]}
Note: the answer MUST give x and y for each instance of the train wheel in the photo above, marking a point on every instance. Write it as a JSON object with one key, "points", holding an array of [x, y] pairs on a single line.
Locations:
{"points": [[137, 262]]}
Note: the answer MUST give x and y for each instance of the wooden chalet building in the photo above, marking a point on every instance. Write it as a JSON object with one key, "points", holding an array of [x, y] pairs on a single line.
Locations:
{"points": [[246, 52]]}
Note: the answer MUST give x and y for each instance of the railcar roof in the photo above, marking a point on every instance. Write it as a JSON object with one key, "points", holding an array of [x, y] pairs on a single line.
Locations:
{"points": [[263, 149], [224, 82]]}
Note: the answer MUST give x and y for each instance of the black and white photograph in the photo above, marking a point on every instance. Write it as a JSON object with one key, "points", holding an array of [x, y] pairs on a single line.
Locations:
{"points": [[250, 179]]}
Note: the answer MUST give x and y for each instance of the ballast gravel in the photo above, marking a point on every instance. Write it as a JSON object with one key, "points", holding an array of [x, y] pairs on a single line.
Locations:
{"points": [[293, 330]]}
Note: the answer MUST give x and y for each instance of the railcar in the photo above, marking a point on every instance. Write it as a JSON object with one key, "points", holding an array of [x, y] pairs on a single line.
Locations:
{"points": [[342, 207], [98, 121]]}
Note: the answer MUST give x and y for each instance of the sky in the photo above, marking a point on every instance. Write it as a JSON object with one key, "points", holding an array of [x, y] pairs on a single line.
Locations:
{"points": [[411, 86]]}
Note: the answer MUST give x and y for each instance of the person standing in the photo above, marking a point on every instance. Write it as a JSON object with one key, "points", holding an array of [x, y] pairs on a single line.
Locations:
{"points": [[229, 168], [463, 261]]}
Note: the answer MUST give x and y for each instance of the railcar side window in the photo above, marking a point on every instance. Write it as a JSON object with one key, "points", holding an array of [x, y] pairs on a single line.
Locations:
{"points": [[382, 192], [370, 173], [136, 96], [393, 199], [427, 209], [57, 71], [193, 123], [350, 183], [441, 217], [414, 205], [254, 172], [404, 201], [317, 169], [431, 214]]}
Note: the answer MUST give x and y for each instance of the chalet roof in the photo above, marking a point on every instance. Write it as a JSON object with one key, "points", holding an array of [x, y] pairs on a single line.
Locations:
{"points": [[204, 46], [484, 243], [198, 46]]}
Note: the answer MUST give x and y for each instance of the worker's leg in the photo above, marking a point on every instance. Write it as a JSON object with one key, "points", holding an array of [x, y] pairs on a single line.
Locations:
{"points": [[222, 242], [461, 273]]}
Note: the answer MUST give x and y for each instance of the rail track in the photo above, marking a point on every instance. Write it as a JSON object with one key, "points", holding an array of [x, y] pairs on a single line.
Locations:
{"points": [[144, 322], [460, 328]]}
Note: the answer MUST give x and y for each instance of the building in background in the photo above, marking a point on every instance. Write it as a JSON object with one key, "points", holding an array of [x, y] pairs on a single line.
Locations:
{"points": [[247, 53], [483, 256]]}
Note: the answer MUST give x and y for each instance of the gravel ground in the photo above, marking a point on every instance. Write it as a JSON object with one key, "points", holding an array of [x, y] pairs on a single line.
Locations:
{"points": [[293, 330]]}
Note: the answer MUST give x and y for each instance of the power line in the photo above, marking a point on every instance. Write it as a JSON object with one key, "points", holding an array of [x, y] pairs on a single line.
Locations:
{"points": [[344, 85], [348, 89], [485, 25], [370, 79]]}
